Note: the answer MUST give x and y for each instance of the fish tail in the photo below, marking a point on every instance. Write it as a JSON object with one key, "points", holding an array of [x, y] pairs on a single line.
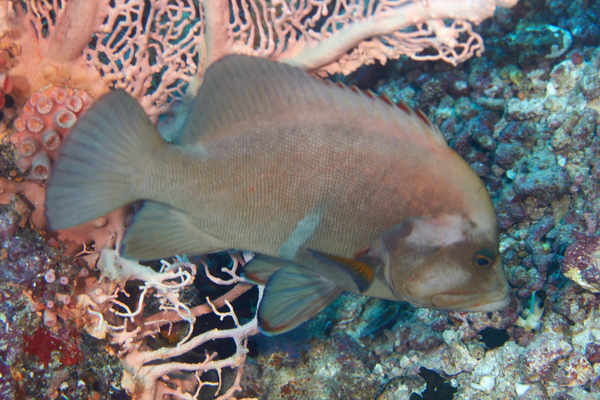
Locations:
{"points": [[102, 161]]}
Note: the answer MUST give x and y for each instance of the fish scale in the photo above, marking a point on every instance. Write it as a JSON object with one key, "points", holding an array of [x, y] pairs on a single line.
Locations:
{"points": [[304, 184]]}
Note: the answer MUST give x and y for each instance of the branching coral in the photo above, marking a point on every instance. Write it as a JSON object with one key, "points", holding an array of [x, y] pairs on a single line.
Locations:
{"points": [[150, 50], [158, 50], [130, 326]]}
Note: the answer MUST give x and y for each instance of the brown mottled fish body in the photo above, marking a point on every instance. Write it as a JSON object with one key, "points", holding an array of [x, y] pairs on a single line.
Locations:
{"points": [[276, 162], [352, 180]]}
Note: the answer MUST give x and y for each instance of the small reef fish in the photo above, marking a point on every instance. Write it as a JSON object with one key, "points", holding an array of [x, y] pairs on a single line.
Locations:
{"points": [[334, 189]]}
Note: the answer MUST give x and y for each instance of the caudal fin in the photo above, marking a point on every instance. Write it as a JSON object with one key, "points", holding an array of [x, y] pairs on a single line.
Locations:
{"points": [[106, 152]]}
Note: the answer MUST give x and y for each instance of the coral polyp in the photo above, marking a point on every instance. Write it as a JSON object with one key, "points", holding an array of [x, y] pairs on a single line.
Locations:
{"points": [[28, 147], [51, 140], [40, 166], [42, 124], [65, 119]]}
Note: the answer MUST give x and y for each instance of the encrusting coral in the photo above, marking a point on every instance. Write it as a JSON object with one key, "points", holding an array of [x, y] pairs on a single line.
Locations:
{"points": [[42, 124], [582, 262]]}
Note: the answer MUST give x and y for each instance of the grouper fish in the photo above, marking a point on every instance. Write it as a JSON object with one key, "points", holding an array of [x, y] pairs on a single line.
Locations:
{"points": [[334, 190]]}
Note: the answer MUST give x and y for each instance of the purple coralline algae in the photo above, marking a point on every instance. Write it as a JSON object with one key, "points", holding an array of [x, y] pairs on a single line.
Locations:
{"points": [[21, 259], [9, 221], [576, 370], [541, 355], [582, 262]]}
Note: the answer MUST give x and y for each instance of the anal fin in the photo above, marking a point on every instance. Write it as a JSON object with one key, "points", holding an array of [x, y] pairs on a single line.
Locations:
{"points": [[159, 231], [292, 296]]}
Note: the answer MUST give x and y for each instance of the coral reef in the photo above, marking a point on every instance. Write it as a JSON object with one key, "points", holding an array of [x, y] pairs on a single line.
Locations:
{"points": [[106, 313], [50, 299], [524, 115]]}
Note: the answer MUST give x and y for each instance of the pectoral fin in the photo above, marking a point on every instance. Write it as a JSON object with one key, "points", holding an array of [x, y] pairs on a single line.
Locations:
{"points": [[362, 270], [292, 296], [159, 231]]}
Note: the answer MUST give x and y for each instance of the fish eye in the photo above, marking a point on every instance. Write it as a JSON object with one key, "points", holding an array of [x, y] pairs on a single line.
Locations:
{"points": [[484, 258]]}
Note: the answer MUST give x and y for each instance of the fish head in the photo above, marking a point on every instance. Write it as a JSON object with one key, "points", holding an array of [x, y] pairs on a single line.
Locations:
{"points": [[445, 262]]}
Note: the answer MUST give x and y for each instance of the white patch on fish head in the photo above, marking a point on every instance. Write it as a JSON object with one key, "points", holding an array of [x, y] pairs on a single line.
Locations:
{"points": [[443, 230], [305, 229], [447, 262]]}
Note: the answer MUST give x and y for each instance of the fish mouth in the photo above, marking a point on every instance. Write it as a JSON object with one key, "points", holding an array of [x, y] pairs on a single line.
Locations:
{"points": [[466, 303]]}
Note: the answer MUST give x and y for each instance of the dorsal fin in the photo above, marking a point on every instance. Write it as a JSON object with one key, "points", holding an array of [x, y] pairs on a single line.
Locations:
{"points": [[370, 94], [241, 92], [387, 99], [403, 106]]}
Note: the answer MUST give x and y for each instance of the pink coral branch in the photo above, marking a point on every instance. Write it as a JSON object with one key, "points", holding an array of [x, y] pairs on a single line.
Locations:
{"points": [[45, 40], [310, 56], [74, 30], [143, 378], [163, 318], [317, 35], [217, 22]]}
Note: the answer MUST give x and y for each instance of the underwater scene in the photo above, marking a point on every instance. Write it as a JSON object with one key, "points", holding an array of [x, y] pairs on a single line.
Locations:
{"points": [[286, 200]]}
